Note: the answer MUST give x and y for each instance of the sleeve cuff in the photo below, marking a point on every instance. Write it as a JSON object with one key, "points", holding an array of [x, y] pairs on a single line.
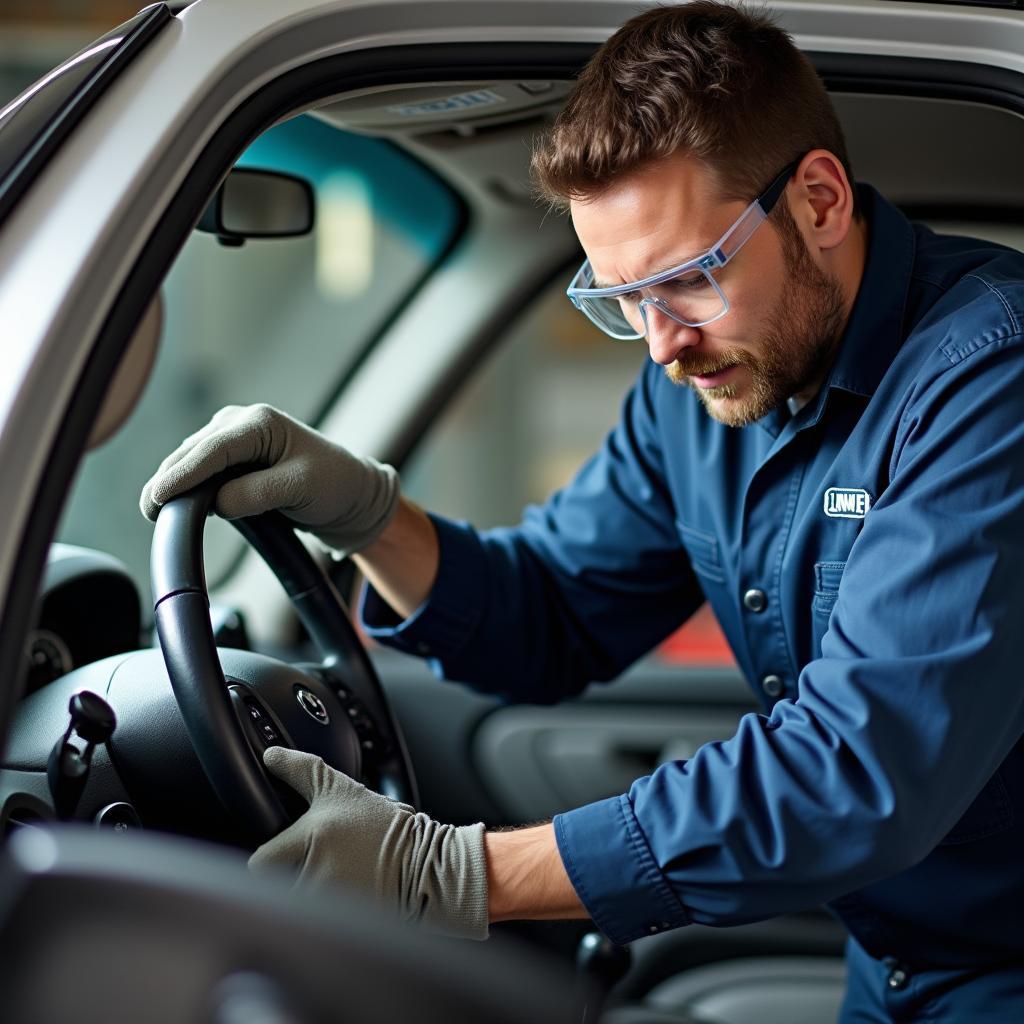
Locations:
{"points": [[443, 623], [614, 873]]}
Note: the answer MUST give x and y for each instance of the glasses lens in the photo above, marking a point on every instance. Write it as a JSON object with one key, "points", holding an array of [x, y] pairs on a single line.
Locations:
{"points": [[693, 298], [610, 316]]}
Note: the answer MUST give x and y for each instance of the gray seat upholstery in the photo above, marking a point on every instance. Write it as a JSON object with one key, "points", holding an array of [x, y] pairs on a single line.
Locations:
{"points": [[747, 990]]}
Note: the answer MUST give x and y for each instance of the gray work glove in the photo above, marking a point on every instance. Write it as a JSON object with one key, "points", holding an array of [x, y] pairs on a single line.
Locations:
{"points": [[343, 499], [416, 868]]}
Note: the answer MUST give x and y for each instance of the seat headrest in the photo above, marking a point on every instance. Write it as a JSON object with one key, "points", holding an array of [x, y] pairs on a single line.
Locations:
{"points": [[131, 376]]}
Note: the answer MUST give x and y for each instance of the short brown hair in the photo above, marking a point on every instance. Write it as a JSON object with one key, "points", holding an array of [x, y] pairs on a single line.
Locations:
{"points": [[722, 83]]}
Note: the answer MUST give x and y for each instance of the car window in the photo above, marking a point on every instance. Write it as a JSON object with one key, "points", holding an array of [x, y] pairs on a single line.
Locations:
{"points": [[275, 321], [525, 422]]}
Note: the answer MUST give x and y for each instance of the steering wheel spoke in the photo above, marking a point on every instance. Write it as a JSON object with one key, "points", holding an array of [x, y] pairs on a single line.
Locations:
{"points": [[375, 734]]}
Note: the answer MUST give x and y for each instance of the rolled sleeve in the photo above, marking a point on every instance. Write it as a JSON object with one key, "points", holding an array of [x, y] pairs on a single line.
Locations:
{"points": [[440, 627], [614, 873]]}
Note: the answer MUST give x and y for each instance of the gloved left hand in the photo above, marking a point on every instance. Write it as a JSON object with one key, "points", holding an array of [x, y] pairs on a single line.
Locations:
{"points": [[415, 867]]}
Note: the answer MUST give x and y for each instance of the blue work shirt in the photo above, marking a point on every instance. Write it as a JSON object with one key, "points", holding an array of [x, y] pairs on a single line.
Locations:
{"points": [[884, 525]]}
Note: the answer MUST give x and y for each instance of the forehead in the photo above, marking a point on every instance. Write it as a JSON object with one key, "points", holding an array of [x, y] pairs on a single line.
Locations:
{"points": [[652, 218]]}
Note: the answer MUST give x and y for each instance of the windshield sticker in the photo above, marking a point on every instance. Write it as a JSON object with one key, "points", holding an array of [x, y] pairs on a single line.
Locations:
{"points": [[463, 101]]}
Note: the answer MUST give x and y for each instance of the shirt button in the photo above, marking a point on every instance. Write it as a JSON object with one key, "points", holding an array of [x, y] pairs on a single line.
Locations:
{"points": [[898, 978], [772, 685], [755, 600], [423, 647]]}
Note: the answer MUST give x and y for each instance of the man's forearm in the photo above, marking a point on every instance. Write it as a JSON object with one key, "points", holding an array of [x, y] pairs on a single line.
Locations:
{"points": [[526, 879], [525, 875], [402, 562]]}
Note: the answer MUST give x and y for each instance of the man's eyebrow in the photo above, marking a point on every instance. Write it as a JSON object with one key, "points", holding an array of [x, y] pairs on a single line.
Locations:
{"points": [[667, 266]]}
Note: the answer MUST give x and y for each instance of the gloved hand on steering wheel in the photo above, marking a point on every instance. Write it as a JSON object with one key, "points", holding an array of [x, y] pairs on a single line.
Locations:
{"points": [[343, 499], [415, 868]]}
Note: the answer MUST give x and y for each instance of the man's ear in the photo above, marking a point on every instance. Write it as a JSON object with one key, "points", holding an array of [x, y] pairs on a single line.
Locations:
{"points": [[822, 203]]}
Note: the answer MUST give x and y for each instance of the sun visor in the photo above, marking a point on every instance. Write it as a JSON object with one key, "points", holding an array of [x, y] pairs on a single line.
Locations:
{"points": [[131, 375]]}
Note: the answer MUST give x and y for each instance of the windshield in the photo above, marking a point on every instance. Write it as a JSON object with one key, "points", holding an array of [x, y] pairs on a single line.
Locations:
{"points": [[276, 321]]}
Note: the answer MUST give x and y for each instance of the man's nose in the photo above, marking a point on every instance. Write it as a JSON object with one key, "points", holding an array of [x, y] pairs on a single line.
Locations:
{"points": [[666, 337]]}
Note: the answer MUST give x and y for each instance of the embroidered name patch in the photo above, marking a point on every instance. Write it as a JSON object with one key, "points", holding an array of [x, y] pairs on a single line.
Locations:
{"points": [[847, 502]]}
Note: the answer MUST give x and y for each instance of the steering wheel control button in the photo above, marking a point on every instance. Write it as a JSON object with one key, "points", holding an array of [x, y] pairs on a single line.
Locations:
{"points": [[312, 705], [269, 734], [773, 686], [120, 817], [755, 600]]}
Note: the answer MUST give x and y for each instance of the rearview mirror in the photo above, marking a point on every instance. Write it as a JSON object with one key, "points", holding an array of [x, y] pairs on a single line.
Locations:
{"points": [[259, 204]]}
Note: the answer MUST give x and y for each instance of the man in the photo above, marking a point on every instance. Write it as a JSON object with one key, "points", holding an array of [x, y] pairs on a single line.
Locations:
{"points": [[840, 474]]}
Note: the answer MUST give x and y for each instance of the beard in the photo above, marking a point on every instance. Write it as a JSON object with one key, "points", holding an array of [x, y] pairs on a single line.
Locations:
{"points": [[798, 343]]}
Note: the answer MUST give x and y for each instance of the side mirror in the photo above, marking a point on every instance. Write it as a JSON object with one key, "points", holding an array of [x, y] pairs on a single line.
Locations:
{"points": [[259, 204]]}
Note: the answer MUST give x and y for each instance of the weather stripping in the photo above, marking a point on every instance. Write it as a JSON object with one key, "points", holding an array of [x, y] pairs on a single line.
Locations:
{"points": [[33, 126]]}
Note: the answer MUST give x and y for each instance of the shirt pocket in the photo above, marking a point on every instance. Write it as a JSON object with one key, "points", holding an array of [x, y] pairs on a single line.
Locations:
{"points": [[991, 812], [703, 551], [826, 589]]}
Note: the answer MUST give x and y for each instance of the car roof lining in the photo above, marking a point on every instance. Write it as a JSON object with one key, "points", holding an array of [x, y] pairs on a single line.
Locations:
{"points": [[889, 137]]}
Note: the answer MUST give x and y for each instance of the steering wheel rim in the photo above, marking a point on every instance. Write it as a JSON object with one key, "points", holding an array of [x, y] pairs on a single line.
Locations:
{"points": [[181, 612]]}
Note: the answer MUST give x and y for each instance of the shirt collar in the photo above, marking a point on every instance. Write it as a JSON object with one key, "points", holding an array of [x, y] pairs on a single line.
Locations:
{"points": [[874, 331]]}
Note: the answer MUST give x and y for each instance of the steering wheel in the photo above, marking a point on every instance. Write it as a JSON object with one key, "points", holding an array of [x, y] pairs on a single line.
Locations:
{"points": [[336, 709]]}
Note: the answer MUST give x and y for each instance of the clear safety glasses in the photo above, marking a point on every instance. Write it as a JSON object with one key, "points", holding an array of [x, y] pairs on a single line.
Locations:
{"points": [[688, 293]]}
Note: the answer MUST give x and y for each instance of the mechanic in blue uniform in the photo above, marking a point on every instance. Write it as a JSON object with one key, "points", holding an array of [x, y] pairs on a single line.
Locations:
{"points": [[827, 444]]}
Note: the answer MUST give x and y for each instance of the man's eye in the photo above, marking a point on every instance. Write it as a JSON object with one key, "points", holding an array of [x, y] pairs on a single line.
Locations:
{"points": [[630, 298], [692, 282]]}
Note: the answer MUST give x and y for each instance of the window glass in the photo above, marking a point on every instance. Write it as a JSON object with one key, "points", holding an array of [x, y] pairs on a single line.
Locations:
{"points": [[525, 422], [276, 320]]}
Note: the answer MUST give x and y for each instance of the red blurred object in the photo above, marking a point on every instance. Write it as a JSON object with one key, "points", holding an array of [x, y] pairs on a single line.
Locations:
{"points": [[699, 642]]}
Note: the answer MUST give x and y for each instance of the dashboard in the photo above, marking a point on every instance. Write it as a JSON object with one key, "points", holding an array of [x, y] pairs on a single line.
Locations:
{"points": [[88, 636]]}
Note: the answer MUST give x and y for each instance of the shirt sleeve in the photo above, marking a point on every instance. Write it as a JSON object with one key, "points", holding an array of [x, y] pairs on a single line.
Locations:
{"points": [[894, 730], [587, 583]]}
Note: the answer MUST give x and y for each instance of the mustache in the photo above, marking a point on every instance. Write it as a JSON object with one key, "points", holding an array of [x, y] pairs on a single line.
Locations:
{"points": [[702, 367]]}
